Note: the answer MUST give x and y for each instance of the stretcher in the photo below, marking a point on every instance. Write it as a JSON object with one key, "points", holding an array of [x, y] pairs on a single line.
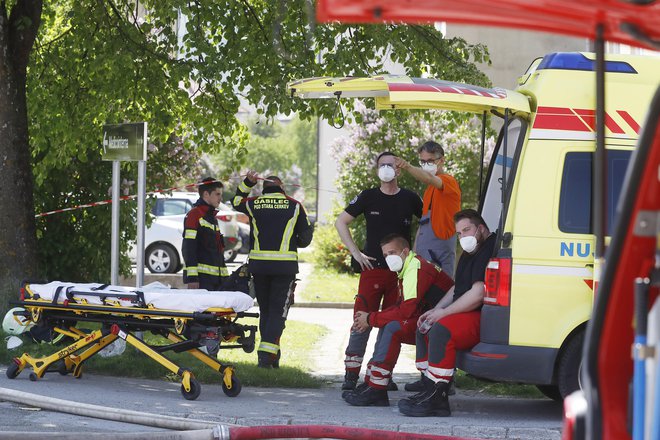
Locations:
{"points": [[189, 319]]}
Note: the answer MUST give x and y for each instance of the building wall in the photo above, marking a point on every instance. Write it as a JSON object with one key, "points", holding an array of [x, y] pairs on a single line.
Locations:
{"points": [[512, 51]]}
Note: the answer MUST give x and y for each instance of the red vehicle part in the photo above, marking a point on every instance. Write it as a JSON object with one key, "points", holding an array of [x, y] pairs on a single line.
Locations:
{"points": [[627, 22]]}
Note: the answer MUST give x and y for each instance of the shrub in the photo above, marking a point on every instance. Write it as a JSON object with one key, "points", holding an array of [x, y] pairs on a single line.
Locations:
{"points": [[329, 252]]}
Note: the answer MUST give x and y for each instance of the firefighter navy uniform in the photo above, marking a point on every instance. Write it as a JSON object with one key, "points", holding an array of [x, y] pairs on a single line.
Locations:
{"points": [[203, 248], [278, 227]]}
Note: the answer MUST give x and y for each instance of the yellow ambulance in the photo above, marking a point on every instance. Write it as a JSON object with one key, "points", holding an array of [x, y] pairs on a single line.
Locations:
{"points": [[537, 197]]}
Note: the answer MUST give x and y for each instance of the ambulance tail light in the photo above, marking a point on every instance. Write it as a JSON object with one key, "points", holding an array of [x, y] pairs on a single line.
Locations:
{"points": [[498, 282]]}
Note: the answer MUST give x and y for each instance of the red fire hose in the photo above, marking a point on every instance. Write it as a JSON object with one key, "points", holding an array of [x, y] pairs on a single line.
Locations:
{"points": [[326, 431]]}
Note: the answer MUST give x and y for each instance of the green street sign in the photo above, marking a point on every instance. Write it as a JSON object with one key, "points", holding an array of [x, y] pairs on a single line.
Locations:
{"points": [[126, 142]]}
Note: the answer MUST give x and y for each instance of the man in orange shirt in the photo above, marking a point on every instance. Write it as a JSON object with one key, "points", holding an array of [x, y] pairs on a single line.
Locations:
{"points": [[436, 236]]}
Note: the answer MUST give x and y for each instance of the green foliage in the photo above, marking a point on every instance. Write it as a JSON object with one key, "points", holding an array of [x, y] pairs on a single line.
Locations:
{"points": [[286, 149], [402, 132], [329, 252], [185, 68]]}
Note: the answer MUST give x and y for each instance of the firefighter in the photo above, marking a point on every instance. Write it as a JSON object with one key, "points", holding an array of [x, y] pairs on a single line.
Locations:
{"points": [[279, 226], [203, 247], [421, 285]]}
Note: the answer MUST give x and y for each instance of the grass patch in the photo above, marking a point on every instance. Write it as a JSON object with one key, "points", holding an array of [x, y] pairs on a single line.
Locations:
{"points": [[298, 340], [325, 285], [466, 382]]}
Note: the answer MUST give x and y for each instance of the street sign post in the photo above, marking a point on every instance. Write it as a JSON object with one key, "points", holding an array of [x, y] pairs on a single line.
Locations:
{"points": [[126, 142]]}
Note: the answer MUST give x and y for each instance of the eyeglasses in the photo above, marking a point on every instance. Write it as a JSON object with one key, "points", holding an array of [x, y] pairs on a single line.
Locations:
{"points": [[428, 162]]}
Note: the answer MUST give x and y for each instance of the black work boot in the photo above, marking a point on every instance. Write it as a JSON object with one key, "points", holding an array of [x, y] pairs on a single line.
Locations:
{"points": [[350, 380], [392, 386], [369, 397], [358, 389], [426, 386], [276, 360], [264, 360], [416, 386], [434, 403]]}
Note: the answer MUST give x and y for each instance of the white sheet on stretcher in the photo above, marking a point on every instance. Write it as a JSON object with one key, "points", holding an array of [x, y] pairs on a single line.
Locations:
{"points": [[156, 294]]}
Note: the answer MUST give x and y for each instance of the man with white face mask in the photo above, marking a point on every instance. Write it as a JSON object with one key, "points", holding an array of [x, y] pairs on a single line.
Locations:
{"points": [[387, 209], [435, 240], [420, 286], [453, 324]]}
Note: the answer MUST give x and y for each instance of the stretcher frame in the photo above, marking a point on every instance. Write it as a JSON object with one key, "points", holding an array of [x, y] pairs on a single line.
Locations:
{"points": [[187, 332]]}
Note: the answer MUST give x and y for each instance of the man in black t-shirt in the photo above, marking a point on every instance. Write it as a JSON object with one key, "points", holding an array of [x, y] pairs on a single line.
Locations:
{"points": [[387, 209], [454, 322]]}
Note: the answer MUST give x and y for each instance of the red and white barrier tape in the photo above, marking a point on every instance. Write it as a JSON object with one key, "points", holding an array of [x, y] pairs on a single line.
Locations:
{"points": [[160, 191]]}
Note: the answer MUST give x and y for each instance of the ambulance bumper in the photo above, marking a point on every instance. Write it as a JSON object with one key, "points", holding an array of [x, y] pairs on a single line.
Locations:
{"points": [[507, 363]]}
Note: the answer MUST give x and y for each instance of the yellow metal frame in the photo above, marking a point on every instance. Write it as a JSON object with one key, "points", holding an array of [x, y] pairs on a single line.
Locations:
{"points": [[86, 345]]}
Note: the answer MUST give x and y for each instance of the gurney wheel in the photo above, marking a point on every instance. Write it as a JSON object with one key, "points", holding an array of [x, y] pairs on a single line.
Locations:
{"points": [[61, 368], [12, 371], [195, 390], [235, 387], [33, 377]]}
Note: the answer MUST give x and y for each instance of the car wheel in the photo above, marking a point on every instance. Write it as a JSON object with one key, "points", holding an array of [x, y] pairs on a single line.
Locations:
{"points": [[230, 255], [162, 258], [570, 363]]}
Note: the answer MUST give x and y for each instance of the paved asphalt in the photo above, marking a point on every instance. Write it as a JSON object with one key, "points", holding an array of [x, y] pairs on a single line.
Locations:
{"points": [[473, 415]]}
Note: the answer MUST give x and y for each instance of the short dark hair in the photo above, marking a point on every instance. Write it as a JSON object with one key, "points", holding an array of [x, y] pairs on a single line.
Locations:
{"points": [[272, 181], [383, 154], [389, 238], [208, 184], [472, 215], [432, 147]]}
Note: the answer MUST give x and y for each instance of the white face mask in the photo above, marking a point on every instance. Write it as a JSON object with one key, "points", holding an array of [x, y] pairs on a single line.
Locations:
{"points": [[394, 262], [386, 173], [469, 243], [430, 168]]}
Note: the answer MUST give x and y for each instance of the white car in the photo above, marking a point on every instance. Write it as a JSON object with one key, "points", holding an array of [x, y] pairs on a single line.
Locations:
{"points": [[164, 237]]}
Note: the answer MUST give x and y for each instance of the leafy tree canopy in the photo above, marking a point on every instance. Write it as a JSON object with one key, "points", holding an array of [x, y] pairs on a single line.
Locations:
{"points": [[183, 67]]}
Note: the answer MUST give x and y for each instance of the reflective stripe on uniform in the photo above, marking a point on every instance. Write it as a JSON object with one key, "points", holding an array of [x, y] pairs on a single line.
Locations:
{"points": [[209, 225], [436, 372], [255, 229], [192, 271], [422, 366], [274, 255], [268, 347], [409, 274], [353, 361], [242, 187], [190, 233], [288, 231], [212, 270]]}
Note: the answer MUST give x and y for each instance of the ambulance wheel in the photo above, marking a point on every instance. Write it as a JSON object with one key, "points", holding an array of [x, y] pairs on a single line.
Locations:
{"points": [[235, 387], [33, 377], [570, 363], [551, 392], [195, 390], [12, 371]]}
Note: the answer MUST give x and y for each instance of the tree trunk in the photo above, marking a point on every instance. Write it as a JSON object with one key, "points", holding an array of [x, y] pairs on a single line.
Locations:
{"points": [[17, 224]]}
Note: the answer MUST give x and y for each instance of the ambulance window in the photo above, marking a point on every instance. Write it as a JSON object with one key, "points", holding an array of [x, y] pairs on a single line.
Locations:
{"points": [[491, 209], [575, 197]]}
